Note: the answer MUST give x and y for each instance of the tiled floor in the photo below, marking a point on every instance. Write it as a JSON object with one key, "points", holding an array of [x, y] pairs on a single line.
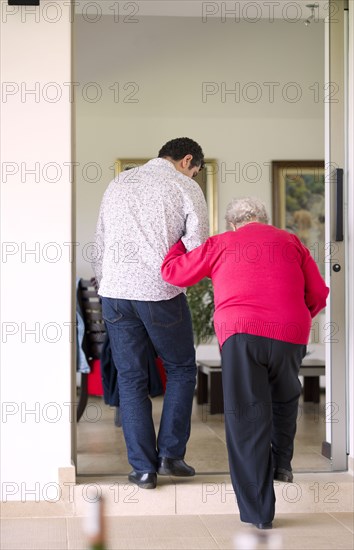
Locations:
{"points": [[101, 447], [291, 531], [176, 515]]}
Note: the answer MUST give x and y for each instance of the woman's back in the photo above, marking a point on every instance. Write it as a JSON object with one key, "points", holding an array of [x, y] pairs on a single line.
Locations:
{"points": [[259, 283]]}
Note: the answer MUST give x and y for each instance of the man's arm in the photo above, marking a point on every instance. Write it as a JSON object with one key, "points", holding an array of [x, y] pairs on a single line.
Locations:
{"points": [[197, 223]]}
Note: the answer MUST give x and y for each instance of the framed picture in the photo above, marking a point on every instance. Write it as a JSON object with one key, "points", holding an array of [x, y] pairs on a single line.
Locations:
{"points": [[206, 179], [298, 193]]}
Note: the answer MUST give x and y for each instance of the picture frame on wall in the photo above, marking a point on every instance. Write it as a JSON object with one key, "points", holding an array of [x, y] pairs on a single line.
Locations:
{"points": [[298, 201], [206, 179]]}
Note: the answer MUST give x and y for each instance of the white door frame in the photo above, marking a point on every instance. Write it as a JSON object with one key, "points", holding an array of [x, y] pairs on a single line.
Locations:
{"points": [[336, 161]]}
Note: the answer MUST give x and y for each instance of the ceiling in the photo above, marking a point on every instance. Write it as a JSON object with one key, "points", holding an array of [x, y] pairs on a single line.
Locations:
{"points": [[130, 11]]}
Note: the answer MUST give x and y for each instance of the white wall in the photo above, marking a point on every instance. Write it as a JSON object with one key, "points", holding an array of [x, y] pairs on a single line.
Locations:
{"points": [[159, 66], [36, 287]]}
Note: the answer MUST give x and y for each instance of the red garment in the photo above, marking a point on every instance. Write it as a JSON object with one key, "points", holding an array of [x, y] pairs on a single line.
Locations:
{"points": [[94, 379], [265, 281]]}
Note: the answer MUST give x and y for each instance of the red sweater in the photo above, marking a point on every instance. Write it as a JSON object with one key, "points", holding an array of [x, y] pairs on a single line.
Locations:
{"points": [[265, 281]]}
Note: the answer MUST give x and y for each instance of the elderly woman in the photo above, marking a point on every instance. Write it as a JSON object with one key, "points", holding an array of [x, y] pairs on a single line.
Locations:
{"points": [[267, 288]]}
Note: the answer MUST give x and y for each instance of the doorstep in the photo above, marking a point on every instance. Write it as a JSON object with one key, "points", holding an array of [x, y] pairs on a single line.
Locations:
{"points": [[203, 494]]}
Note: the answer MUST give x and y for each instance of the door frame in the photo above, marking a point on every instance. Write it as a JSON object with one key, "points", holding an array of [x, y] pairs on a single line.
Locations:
{"points": [[336, 166]]}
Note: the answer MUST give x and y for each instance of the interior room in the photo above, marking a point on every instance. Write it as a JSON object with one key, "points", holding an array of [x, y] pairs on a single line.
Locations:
{"points": [[249, 92]]}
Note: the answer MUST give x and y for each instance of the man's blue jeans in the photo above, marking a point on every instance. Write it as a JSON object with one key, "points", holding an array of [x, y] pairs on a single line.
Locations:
{"points": [[130, 323]]}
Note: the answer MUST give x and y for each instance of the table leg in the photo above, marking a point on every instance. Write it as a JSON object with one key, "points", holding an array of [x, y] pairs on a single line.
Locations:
{"points": [[312, 388], [202, 387], [215, 393]]}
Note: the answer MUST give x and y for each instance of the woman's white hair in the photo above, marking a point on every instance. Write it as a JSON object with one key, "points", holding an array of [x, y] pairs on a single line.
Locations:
{"points": [[245, 210]]}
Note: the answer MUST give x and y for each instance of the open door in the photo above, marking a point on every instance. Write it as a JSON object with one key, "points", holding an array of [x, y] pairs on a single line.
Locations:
{"points": [[336, 159]]}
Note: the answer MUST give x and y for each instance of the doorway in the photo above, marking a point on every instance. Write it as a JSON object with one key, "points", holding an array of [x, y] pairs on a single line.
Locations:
{"points": [[247, 91]]}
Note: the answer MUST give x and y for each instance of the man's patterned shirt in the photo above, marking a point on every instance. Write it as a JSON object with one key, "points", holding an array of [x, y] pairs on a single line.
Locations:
{"points": [[143, 213]]}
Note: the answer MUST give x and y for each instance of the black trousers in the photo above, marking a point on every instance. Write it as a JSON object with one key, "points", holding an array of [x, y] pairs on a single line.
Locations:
{"points": [[261, 393]]}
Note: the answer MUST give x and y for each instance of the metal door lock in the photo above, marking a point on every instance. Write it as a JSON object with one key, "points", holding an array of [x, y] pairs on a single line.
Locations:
{"points": [[336, 268]]}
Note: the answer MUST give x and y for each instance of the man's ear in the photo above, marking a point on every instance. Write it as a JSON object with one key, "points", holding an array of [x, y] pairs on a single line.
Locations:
{"points": [[185, 162]]}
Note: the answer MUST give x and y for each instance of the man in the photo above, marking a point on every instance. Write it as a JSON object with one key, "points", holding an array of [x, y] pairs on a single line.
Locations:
{"points": [[143, 213]]}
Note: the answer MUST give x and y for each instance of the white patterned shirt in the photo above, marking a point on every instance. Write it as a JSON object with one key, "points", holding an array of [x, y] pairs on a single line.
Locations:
{"points": [[143, 213]]}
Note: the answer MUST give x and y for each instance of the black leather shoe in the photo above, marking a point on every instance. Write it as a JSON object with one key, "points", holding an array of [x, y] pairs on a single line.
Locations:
{"points": [[143, 480], [174, 467], [280, 474], [263, 525]]}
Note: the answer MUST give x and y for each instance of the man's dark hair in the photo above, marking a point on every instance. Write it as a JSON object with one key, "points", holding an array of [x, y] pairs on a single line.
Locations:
{"points": [[178, 148]]}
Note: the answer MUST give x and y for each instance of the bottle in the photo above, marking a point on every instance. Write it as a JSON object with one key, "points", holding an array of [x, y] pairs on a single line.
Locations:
{"points": [[94, 525]]}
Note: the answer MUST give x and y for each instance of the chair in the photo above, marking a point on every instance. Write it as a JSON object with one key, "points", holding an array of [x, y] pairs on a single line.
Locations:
{"points": [[94, 337]]}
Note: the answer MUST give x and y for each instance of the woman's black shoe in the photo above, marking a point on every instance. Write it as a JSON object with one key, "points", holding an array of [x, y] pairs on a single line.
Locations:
{"points": [[143, 480], [280, 474], [268, 525]]}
